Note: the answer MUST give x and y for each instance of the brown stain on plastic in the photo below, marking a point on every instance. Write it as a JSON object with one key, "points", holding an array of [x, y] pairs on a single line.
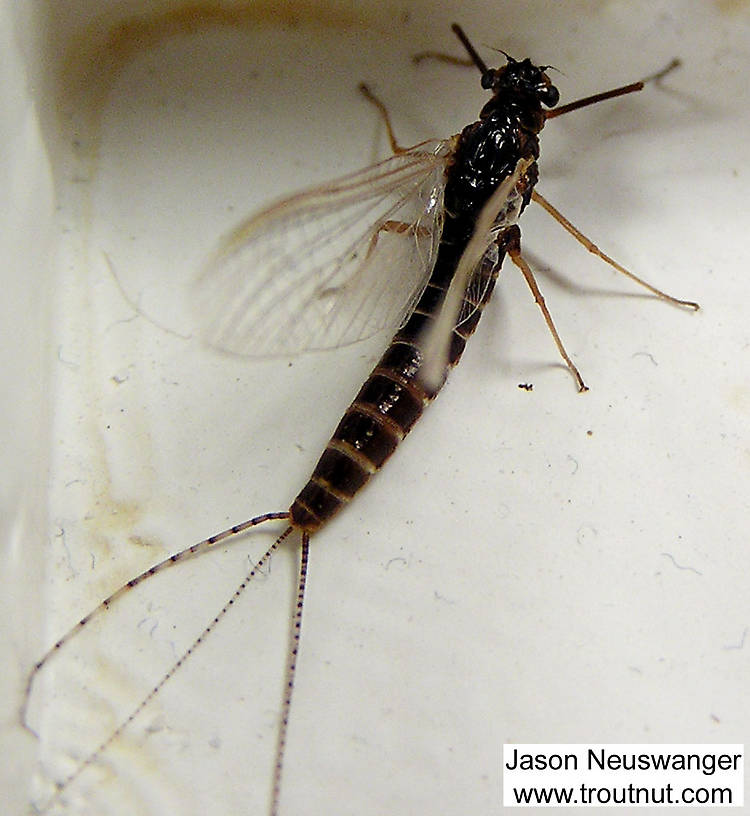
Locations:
{"points": [[104, 48], [134, 35], [94, 58], [732, 6]]}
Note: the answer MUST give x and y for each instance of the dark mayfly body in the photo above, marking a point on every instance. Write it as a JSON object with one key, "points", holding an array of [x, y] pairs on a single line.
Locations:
{"points": [[414, 242]]}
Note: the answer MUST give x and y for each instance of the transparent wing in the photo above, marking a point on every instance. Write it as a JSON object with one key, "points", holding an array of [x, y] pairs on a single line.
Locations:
{"points": [[500, 212], [472, 277], [329, 266]]}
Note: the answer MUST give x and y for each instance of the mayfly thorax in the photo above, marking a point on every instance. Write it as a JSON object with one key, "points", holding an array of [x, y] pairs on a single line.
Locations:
{"points": [[414, 243]]}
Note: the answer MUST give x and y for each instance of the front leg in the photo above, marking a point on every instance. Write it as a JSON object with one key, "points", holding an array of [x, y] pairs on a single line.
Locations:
{"points": [[510, 241]]}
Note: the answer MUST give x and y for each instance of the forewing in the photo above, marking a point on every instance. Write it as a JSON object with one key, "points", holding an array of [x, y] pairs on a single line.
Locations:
{"points": [[329, 266], [472, 276], [486, 255]]}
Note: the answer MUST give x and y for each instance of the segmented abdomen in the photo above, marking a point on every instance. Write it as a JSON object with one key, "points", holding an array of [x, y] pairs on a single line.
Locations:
{"points": [[390, 402]]}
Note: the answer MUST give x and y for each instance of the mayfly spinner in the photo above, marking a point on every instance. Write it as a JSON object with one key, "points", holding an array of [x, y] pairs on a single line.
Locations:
{"points": [[415, 242]]}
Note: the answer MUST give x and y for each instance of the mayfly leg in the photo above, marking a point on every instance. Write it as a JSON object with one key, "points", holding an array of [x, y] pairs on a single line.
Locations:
{"points": [[584, 102], [514, 251], [370, 96], [472, 61], [465, 62], [594, 250], [390, 226], [622, 90]]}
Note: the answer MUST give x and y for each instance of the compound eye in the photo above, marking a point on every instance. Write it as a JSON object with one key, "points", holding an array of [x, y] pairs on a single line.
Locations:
{"points": [[488, 79], [549, 95]]}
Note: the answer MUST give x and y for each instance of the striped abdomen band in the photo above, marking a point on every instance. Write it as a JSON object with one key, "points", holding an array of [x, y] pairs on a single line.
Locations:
{"points": [[387, 406]]}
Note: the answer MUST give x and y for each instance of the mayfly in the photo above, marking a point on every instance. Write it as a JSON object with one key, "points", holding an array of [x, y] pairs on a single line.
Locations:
{"points": [[414, 243]]}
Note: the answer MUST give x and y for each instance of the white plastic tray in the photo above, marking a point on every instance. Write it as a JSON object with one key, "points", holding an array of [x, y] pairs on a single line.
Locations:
{"points": [[532, 566]]}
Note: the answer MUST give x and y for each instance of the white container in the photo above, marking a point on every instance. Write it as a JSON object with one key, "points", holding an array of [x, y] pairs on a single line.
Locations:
{"points": [[507, 577]]}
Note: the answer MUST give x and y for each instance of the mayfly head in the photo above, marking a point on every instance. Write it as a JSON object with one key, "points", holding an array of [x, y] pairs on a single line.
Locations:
{"points": [[522, 78]]}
